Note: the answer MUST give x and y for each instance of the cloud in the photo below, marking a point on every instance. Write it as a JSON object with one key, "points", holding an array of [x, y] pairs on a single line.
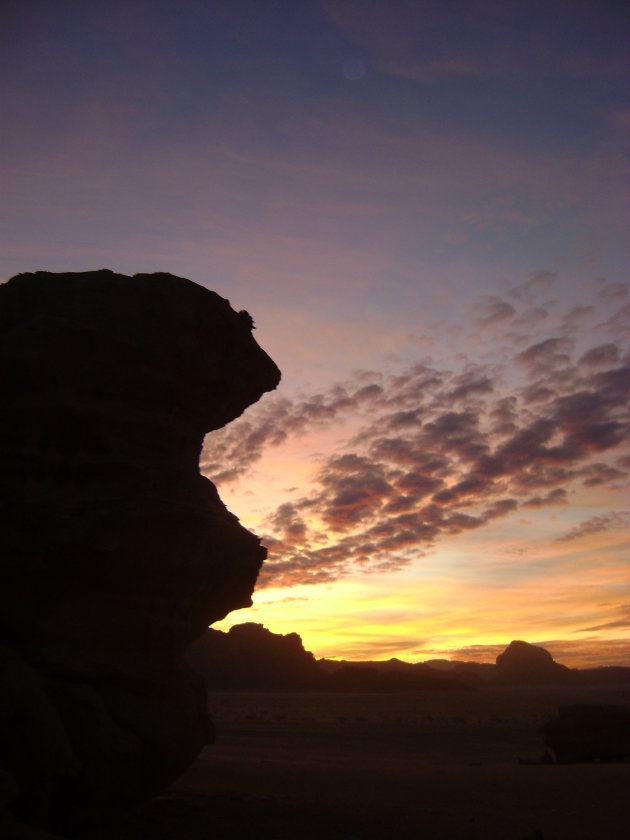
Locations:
{"points": [[288, 521], [539, 282], [598, 474], [602, 356], [230, 452], [558, 496], [433, 451], [546, 356], [413, 475], [492, 310], [468, 384], [379, 648], [613, 292], [475, 653], [531, 317], [618, 324], [616, 624], [597, 524], [575, 316], [354, 491]]}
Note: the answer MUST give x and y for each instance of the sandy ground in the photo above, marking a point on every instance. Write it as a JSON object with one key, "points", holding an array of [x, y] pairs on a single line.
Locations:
{"points": [[417, 765]]}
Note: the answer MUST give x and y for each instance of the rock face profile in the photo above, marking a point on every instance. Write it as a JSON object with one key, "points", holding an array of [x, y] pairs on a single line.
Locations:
{"points": [[522, 662], [115, 552]]}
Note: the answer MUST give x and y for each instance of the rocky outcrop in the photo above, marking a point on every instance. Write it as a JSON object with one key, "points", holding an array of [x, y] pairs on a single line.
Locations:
{"points": [[115, 552], [521, 662], [250, 657]]}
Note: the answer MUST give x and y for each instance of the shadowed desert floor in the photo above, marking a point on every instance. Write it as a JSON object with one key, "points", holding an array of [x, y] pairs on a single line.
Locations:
{"points": [[417, 764]]}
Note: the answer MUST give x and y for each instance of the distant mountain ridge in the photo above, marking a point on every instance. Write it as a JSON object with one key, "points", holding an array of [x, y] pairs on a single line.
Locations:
{"points": [[250, 657]]}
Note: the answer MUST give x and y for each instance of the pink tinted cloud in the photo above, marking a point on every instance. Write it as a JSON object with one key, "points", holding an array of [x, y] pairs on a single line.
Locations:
{"points": [[438, 452]]}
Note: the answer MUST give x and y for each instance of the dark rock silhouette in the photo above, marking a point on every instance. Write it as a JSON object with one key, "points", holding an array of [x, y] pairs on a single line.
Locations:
{"points": [[115, 552], [522, 662], [589, 732], [251, 657], [393, 676], [472, 673], [606, 675]]}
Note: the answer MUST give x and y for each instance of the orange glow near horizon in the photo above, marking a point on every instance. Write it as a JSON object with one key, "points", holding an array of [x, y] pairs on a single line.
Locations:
{"points": [[465, 598], [414, 618]]}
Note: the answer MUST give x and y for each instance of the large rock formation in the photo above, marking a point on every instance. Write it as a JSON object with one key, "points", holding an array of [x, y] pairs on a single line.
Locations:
{"points": [[250, 657], [521, 662], [115, 552]]}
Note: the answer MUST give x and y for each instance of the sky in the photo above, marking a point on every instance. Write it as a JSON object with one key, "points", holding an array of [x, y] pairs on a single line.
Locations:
{"points": [[424, 206]]}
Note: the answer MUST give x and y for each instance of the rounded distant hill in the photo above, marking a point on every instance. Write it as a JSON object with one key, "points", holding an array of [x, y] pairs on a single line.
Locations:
{"points": [[522, 662]]}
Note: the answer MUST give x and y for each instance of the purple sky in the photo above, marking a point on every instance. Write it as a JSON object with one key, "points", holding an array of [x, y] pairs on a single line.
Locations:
{"points": [[424, 205]]}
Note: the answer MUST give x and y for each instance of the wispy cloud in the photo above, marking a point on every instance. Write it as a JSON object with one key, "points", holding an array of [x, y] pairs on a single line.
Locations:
{"points": [[597, 524], [603, 356], [493, 309], [621, 621]]}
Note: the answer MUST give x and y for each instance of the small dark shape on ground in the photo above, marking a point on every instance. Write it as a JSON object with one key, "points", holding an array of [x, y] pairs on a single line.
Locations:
{"points": [[586, 732]]}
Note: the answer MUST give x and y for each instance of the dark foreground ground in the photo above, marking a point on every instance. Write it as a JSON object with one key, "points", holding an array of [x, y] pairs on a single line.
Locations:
{"points": [[409, 765]]}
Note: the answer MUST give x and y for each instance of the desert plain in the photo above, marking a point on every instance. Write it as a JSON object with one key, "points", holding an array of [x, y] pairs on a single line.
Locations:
{"points": [[415, 764]]}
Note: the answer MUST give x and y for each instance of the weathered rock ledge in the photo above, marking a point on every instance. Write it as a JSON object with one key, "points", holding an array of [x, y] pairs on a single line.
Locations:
{"points": [[115, 552]]}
